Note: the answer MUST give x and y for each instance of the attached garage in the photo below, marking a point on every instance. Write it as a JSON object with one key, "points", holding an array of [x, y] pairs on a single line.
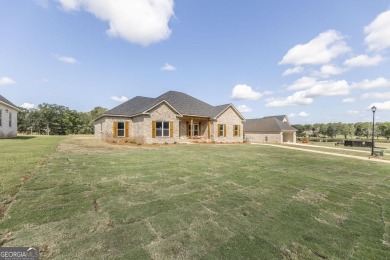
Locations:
{"points": [[272, 129]]}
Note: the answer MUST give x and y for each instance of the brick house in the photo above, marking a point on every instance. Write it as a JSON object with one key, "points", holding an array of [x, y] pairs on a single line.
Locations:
{"points": [[8, 118], [172, 117], [270, 129]]}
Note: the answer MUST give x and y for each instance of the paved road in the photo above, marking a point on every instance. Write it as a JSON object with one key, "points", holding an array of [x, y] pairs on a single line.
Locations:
{"points": [[327, 153]]}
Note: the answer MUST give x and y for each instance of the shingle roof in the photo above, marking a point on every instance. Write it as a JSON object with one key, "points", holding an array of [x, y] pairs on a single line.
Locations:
{"points": [[183, 103], [267, 124], [131, 107], [6, 101], [279, 117]]}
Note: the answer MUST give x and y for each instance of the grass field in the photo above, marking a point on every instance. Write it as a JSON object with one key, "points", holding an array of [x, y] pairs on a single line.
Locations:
{"points": [[92, 200]]}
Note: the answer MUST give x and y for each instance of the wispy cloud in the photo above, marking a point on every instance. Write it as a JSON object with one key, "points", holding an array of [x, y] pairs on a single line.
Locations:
{"points": [[291, 71], [298, 98], [244, 109], [370, 84], [363, 61], [242, 91], [380, 106], [376, 95], [119, 99], [300, 114], [7, 81], [66, 59], [168, 67], [328, 70]]}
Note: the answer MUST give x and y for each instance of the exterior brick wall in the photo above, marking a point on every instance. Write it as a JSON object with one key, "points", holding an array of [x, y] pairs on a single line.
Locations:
{"points": [[104, 128], [229, 118], [5, 130], [161, 113], [276, 137], [140, 127], [261, 137]]}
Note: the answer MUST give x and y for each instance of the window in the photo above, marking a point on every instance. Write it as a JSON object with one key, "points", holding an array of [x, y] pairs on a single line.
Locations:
{"points": [[121, 129], [195, 131], [221, 130], [162, 129], [1, 116], [10, 119], [236, 130]]}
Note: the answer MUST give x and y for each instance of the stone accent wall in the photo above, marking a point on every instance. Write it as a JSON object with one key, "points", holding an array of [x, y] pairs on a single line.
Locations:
{"points": [[261, 137], [140, 127], [103, 129], [5, 130], [229, 118], [161, 113]]}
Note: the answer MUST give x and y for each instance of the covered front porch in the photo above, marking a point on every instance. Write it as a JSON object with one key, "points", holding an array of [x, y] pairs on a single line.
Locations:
{"points": [[195, 129]]}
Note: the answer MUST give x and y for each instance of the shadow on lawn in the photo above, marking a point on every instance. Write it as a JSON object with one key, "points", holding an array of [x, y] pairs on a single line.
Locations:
{"points": [[24, 137]]}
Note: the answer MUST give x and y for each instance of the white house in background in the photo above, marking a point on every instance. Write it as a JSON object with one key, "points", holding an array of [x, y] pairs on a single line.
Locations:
{"points": [[270, 129], [8, 118]]}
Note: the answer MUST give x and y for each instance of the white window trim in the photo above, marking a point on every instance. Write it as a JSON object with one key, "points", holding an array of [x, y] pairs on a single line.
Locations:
{"points": [[162, 129], [117, 129], [223, 130]]}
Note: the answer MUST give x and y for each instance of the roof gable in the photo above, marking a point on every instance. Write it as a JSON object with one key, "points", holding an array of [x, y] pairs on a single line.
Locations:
{"points": [[180, 102], [5, 101]]}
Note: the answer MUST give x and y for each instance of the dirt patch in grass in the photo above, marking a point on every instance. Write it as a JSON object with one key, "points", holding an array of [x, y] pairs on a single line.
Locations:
{"points": [[309, 197]]}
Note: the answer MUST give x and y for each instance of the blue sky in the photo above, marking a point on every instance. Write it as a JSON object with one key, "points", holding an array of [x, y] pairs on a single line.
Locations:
{"points": [[316, 61]]}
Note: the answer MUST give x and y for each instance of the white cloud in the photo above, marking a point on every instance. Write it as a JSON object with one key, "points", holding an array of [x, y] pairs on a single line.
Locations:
{"points": [[380, 106], [349, 100], [300, 114], [291, 71], [66, 59], [370, 84], [376, 95], [298, 98], [168, 67], [328, 70], [303, 114], [303, 83], [119, 99], [137, 21], [321, 50], [363, 61], [328, 88], [7, 81], [378, 32], [244, 109], [28, 105], [312, 89], [352, 112], [242, 91]]}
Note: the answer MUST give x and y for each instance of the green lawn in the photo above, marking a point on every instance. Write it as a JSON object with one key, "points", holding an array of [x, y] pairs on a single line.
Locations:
{"points": [[98, 201]]}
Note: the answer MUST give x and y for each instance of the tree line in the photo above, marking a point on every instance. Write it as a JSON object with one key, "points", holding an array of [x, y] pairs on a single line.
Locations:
{"points": [[351, 130], [53, 119]]}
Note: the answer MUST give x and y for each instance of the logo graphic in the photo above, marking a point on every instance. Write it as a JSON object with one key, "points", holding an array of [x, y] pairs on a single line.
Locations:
{"points": [[19, 253]]}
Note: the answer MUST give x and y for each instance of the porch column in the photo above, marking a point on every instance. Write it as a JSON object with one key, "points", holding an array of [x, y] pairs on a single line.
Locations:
{"points": [[208, 130], [191, 127]]}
